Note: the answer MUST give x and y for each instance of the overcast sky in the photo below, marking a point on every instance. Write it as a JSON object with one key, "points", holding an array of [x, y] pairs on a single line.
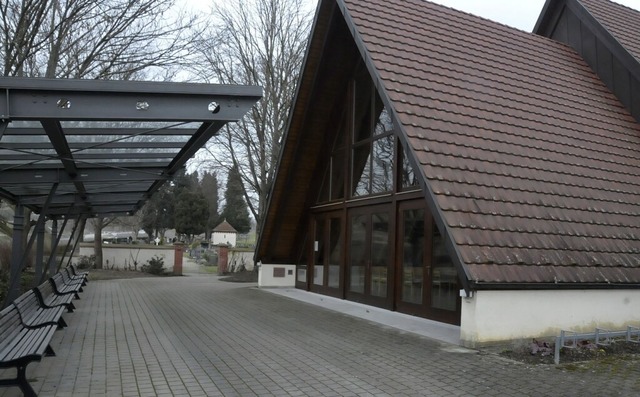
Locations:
{"points": [[521, 14]]}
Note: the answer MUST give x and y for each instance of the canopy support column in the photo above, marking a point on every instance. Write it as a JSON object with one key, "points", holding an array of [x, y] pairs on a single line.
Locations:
{"points": [[74, 236], [77, 237], [39, 271], [57, 235], [16, 260]]}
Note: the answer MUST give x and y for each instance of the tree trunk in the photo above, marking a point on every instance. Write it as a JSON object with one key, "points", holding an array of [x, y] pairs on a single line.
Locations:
{"points": [[97, 241]]}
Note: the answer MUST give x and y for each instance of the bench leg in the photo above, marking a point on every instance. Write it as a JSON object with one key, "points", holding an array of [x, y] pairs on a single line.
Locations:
{"points": [[20, 381], [71, 307], [61, 323], [26, 388], [48, 352]]}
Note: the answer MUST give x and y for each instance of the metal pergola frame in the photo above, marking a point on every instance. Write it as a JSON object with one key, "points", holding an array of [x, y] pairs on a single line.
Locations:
{"points": [[77, 149]]}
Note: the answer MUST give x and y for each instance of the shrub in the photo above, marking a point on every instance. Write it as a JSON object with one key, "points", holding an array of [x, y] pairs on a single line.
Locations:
{"points": [[211, 258], [154, 265], [4, 283], [86, 262]]}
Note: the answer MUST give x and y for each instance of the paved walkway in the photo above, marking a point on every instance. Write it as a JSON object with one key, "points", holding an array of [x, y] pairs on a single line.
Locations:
{"points": [[197, 336]]}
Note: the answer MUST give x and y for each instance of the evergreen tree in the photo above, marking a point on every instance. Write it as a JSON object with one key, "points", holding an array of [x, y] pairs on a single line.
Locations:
{"points": [[209, 186], [236, 211], [182, 182], [191, 213], [158, 212]]}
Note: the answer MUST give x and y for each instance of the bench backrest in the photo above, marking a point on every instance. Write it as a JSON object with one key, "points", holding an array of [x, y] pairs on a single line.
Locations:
{"points": [[27, 304], [10, 325], [46, 291], [58, 280], [64, 273], [72, 270]]}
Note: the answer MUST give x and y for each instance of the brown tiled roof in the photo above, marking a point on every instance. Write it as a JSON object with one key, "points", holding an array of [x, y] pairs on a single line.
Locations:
{"points": [[622, 22], [534, 164], [225, 227]]}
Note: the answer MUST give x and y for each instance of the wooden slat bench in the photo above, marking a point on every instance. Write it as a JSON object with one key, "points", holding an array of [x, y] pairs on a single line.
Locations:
{"points": [[68, 274], [60, 287], [49, 298], [76, 272], [35, 315], [21, 345], [69, 281]]}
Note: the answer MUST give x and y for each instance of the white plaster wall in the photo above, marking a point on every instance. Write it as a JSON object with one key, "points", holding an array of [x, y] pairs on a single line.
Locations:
{"points": [[492, 316], [237, 258], [121, 256], [218, 238], [266, 279]]}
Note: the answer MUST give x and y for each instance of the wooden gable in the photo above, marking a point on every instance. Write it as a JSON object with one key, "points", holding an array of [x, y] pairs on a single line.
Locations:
{"points": [[606, 35]]}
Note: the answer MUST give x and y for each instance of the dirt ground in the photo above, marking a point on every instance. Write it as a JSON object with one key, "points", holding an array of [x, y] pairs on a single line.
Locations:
{"points": [[586, 351], [241, 277]]}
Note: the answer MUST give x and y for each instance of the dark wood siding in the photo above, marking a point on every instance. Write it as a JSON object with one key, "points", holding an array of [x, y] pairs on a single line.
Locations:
{"points": [[561, 32], [635, 98], [621, 82], [575, 27], [589, 52], [605, 64]]}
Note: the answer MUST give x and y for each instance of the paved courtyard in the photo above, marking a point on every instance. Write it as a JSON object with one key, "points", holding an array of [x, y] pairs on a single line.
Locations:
{"points": [[197, 336]]}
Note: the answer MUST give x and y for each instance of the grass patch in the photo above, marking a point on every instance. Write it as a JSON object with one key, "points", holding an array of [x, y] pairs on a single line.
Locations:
{"points": [[211, 269]]}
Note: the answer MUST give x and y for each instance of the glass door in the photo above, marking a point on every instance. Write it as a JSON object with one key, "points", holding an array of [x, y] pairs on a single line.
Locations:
{"points": [[413, 253], [369, 256], [427, 281], [328, 253]]}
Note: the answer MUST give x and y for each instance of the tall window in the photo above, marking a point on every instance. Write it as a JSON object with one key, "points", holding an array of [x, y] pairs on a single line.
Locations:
{"points": [[372, 165]]}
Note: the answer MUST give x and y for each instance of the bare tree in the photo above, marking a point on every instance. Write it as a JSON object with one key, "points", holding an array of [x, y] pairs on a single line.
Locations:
{"points": [[112, 39], [261, 43]]}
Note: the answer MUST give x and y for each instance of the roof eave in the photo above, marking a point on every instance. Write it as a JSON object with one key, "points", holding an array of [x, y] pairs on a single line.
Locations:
{"points": [[506, 286]]}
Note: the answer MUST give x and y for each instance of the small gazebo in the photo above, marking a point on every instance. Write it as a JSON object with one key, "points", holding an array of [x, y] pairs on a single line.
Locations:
{"points": [[224, 233]]}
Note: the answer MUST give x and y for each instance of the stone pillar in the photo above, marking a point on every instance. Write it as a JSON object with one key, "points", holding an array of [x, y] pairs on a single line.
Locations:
{"points": [[178, 249], [223, 258]]}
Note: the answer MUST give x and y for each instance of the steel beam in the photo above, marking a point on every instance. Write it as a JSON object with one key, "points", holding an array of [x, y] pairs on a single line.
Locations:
{"points": [[78, 237], [120, 165], [74, 199], [58, 236], [38, 99], [104, 131], [80, 146], [198, 140], [77, 221], [18, 177]]}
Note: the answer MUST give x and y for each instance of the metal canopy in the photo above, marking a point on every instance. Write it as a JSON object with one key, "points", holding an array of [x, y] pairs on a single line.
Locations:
{"points": [[108, 145]]}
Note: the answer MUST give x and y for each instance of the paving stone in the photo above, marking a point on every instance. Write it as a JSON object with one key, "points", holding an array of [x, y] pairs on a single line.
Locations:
{"points": [[201, 337]]}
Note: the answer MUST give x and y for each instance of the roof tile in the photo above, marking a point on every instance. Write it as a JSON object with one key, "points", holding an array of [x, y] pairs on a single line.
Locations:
{"points": [[534, 163]]}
